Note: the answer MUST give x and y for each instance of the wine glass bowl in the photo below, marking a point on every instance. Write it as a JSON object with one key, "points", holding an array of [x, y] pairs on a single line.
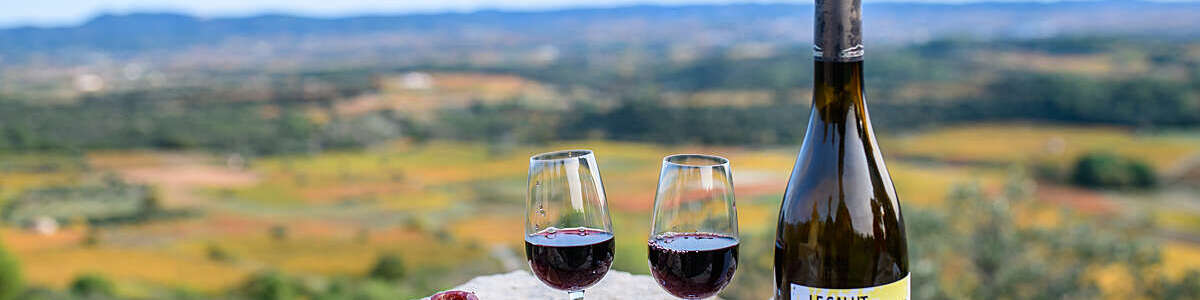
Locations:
{"points": [[568, 233], [693, 244]]}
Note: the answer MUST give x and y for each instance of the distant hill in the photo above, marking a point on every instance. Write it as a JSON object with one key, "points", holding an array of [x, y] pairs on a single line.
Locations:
{"points": [[464, 34]]}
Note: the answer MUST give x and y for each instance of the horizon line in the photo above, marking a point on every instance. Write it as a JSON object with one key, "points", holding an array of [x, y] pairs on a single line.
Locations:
{"points": [[512, 9]]}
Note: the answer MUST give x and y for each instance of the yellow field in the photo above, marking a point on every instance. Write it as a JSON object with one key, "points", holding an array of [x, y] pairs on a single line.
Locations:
{"points": [[442, 203], [1180, 257], [1007, 143]]}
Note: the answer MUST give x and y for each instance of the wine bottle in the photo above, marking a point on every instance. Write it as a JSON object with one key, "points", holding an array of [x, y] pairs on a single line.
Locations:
{"points": [[840, 233]]}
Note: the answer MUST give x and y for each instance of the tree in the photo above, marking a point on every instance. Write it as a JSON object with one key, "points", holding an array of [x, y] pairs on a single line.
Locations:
{"points": [[92, 286], [1109, 170], [11, 282], [389, 267]]}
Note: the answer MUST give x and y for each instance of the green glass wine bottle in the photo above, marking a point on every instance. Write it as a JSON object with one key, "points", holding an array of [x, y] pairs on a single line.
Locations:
{"points": [[841, 233]]}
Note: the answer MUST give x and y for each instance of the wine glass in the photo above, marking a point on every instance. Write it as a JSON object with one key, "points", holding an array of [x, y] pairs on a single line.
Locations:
{"points": [[568, 233], [694, 237]]}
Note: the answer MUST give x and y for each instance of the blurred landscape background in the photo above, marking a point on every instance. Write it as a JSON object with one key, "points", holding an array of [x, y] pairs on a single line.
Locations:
{"points": [[1041, 150]]}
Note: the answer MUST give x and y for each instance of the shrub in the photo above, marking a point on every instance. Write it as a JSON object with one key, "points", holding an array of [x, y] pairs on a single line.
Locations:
{"points": [[338, 289], [388, 267], [270, 285], [990, 256], [1108, 170], [1143, 174], [219, 254], [279, 232], [92, 286], [1187, 287]]}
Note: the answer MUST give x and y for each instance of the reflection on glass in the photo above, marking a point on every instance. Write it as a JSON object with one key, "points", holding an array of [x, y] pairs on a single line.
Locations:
{"points": [[693, 245], [568, 233]]}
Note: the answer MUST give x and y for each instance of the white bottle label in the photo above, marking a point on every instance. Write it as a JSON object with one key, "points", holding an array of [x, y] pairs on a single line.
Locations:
{"points": [[898, 290]]}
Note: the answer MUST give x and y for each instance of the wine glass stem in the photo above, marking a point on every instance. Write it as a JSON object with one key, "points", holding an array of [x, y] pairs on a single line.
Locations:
{"points": [[576, 295]]}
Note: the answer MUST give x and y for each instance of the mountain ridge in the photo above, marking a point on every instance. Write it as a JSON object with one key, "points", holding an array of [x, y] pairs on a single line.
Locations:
{"points": [[706, 25]]}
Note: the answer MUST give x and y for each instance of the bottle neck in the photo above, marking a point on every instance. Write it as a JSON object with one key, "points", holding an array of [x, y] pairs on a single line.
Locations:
{"points": [[838, 52], [837, 92], [839, 123]]}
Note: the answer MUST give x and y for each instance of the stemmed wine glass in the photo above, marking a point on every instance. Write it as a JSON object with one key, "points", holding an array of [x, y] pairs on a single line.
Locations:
{"points": [[694, 237], [568, 233]]}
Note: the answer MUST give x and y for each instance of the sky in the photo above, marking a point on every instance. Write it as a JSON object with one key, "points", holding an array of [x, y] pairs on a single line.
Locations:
{"points": [[70, 12]]}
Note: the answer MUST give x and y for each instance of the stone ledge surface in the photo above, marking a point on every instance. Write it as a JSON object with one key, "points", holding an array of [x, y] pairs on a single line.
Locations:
{"points": [[521, 285]]}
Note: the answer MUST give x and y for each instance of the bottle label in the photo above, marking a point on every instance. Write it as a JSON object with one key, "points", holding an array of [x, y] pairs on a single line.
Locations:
{"points": [[898, 290]]}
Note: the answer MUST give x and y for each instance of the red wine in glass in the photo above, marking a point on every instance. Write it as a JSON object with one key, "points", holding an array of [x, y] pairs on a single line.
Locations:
{"points": [[693, 265], [569, 259], [568, 234]]}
